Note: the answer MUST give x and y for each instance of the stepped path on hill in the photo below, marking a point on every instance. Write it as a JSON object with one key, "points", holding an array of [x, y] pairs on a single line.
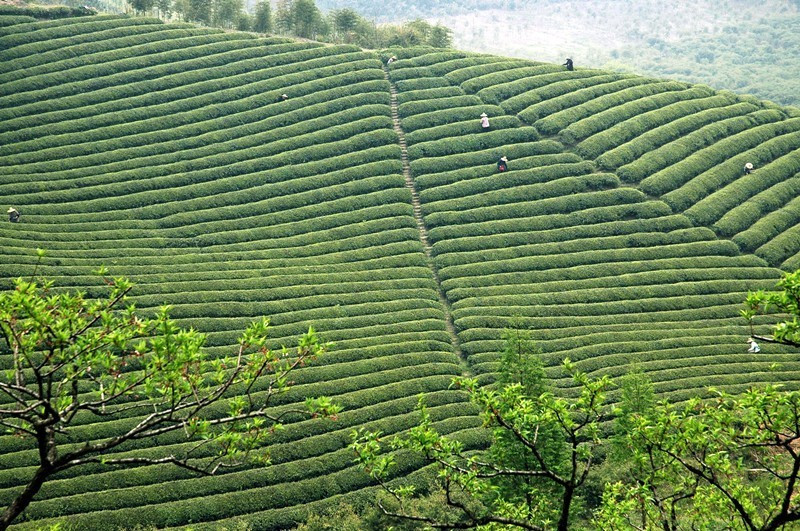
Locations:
{"points": [[423, 230]]}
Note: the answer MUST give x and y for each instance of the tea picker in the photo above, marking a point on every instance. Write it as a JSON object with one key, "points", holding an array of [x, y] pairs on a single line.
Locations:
{"points": [[502, 164], [484, 122]]}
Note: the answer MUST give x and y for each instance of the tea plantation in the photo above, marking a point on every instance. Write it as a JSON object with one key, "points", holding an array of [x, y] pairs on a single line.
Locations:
{"points": [[368, 204]]}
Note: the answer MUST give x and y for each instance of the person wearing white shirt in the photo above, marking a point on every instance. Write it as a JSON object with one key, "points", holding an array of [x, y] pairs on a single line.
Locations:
{"points": [[753, 345]]}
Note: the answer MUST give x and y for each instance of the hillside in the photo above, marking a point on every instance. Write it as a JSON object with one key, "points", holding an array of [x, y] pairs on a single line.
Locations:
{"points": [[368, 204]]}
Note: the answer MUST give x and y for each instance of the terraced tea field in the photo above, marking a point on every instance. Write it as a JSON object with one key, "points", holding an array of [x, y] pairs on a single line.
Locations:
{"points": [[369, 205]]}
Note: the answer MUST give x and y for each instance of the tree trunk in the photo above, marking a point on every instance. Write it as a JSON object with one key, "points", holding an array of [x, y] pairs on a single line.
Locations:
{"points": [[21, 502], [563, 521], [781, 520]]}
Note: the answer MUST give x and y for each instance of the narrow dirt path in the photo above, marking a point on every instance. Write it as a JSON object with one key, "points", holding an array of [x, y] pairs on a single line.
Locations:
{"points": [[423, 230]]}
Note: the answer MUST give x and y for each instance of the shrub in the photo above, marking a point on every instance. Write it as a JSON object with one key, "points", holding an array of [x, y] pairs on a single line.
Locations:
{"points": [[557, 188], [603, 120], [460, 75], [553, 114], [702, 160], [135, 56], [186, 100], [681, 148], [701, 248], [149, 140], [722, 175], [600, 243], [421, 84], [782, 249], [400, 74], [524, 92], [473, 142], [537, 174], [432, 180], [768, 226], [444, 68], [491, 77], [45, 12], [234, 57], [428, 94], [583, 272], [459, 129], [713, 109], [606, 211], [554, 205], [16, 45], [437, 58], [738, 205], [11, 20], [511, 236], [488, 156], [414, 108], [48, 61], [510, 83]]}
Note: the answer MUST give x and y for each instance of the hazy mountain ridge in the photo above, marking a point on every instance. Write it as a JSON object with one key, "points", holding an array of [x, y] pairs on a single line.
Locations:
{"points": [[729, 44]]}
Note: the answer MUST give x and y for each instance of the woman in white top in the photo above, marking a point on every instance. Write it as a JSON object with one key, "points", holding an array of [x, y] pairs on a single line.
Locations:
{"points": [[484, 122], [753, 345]]}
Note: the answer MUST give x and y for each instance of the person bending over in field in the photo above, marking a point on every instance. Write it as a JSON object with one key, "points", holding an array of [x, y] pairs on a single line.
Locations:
{"points": [[748, 168], [568, 64], [502, 164], [391, 60], [484, 122], [753, 345], [13, 215], [282, 97]]}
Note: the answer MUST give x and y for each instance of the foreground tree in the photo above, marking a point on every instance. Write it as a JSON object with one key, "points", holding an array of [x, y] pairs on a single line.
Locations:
{"points": [[75, 360], [728, 463], [469, 481], [520, 363], [785, 302]]}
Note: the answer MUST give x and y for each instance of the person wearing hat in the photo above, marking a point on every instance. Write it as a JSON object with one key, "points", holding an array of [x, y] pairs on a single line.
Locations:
{"points": [[502, 164], [484, 122], [283, 97], [568, 64], [13, 215], [391, 60], [748, 168], [753, 345]]}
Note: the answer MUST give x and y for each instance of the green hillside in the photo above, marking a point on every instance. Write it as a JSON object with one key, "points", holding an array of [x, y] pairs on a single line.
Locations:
{"points": [[369, 205]]}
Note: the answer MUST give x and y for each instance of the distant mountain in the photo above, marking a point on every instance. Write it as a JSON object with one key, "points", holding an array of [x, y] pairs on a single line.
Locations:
{"points": [[748, 47]]}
